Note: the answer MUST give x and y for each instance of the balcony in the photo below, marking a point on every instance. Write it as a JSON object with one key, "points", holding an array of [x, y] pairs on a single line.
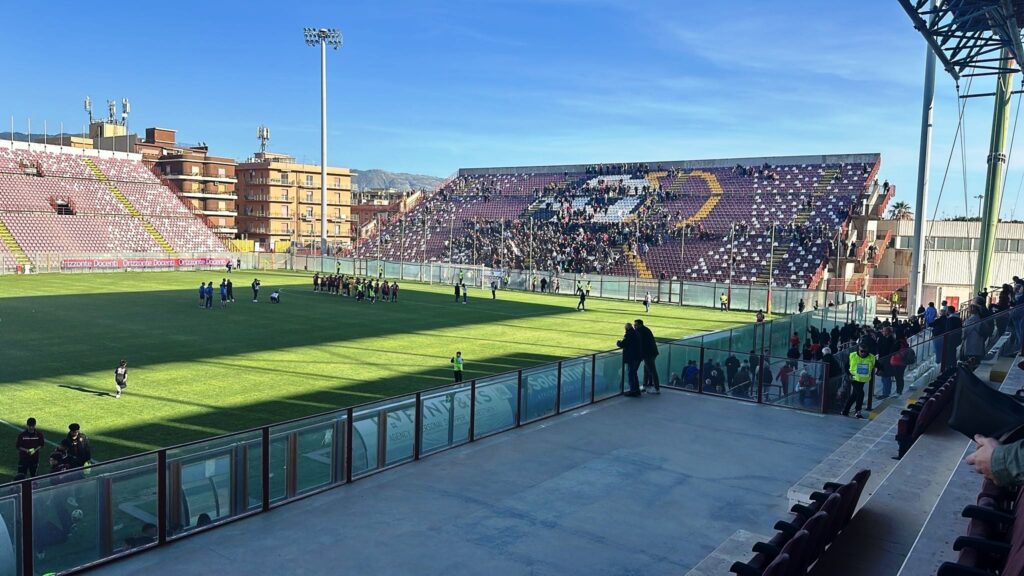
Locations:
{"points": [[199, 178], [209, 195], [229, 213]]}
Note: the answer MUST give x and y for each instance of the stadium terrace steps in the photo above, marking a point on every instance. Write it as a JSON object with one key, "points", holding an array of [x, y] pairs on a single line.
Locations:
{"points": [[736, 546], [129, 206], [884, 530], [639, 265], [872, 447], [12, 245]]}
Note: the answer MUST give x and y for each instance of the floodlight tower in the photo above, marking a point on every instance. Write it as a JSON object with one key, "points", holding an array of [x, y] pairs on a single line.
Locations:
{"points": [[323, 37], [977, 38]]}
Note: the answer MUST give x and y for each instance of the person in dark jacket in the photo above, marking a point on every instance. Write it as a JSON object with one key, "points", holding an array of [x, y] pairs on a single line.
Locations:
{"points": [[649, 350], [953, 336], [77, 445], [632, 354], [30, 441]]}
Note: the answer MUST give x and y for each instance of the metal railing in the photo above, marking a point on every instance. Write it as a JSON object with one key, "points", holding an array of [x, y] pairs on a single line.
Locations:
{"points": [[73, 520]]}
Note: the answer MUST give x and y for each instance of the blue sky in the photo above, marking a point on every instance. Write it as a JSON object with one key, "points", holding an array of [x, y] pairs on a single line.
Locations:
{"points": [[426, 86]]}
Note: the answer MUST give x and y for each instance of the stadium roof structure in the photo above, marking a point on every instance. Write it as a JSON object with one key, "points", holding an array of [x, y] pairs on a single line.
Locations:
{"points": [[968, 35]]}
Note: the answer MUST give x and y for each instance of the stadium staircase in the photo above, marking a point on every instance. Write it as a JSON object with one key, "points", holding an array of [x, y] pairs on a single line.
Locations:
{"points": [[779, 252], [13, 246], [533, 207], [710, 203], [132, 210], [642, 271]]}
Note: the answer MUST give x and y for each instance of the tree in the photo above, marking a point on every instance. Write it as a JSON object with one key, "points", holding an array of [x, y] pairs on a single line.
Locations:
{"points": [[900, 211]]}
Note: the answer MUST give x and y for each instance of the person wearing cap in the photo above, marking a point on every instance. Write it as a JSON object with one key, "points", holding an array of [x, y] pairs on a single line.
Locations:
{"points": [[862, 364], [30, 441], [77, 445]]}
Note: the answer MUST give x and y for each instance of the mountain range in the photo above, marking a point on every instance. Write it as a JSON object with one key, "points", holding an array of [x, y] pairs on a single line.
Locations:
{"points": [[401, 181]]}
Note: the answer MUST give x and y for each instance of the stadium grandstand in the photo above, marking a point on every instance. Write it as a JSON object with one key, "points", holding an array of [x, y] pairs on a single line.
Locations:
{"points": [[730, 220], [67, 203]]}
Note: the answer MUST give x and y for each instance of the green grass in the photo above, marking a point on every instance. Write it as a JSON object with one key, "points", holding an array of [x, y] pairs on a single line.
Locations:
{"points": [[196, 373]]}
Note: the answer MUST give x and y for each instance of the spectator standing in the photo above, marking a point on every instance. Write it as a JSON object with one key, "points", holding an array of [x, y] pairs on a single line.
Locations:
{"points": [[30, 441], [800, 306], [886, 346], [759, 317], [647, 303], [632, 354], [649, 349]]}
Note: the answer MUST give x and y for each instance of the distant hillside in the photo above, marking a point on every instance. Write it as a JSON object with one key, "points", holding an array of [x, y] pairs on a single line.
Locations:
{"points": [[369, 179]]}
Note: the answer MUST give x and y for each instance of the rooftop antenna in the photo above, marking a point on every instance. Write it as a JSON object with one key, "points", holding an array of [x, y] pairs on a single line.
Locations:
{"points": [[126, 109], [111, 111], [263, 133], [88, 108]]}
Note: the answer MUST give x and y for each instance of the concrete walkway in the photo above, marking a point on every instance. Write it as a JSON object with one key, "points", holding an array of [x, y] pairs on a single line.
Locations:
{"points": [[629, 486]]}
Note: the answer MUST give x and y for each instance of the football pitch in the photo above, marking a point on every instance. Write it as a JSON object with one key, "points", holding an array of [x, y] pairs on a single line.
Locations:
{"points": [[197, 373]]}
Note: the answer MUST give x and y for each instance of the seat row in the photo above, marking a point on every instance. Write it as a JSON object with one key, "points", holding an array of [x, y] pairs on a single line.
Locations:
{"points": [[917, 417], [800, 540], [994, 543]]}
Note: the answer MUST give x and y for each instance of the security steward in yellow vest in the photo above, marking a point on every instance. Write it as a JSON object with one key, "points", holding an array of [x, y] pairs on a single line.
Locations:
{"points": [[457, 366], [862, 365]]}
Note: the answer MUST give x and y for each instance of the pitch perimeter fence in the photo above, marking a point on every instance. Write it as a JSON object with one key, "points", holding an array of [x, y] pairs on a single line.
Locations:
{"points": [[69, 521]]}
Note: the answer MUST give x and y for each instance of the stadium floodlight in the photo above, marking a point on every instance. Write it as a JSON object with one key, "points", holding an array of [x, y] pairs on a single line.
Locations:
{"points": [[971, 39], [323, 37]]}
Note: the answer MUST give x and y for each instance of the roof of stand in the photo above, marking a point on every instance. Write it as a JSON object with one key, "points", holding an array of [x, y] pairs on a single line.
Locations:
{"points": [[968, 35]]}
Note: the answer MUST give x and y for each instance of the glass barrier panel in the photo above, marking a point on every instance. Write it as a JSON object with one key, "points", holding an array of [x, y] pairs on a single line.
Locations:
{"points": [[445, 420], [392, 270], [717, 340], [71, 512], [382, 434], [278, 467], [209, 481], [10, 530], [575, 383], [540, 385], [495, 404], [794, 383], [411, 272], [608, 377], [699, 294], [133, 506], [758, 299], [683, 366], [781, 329], [744, 338], [401, 431], [729, 374]]}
